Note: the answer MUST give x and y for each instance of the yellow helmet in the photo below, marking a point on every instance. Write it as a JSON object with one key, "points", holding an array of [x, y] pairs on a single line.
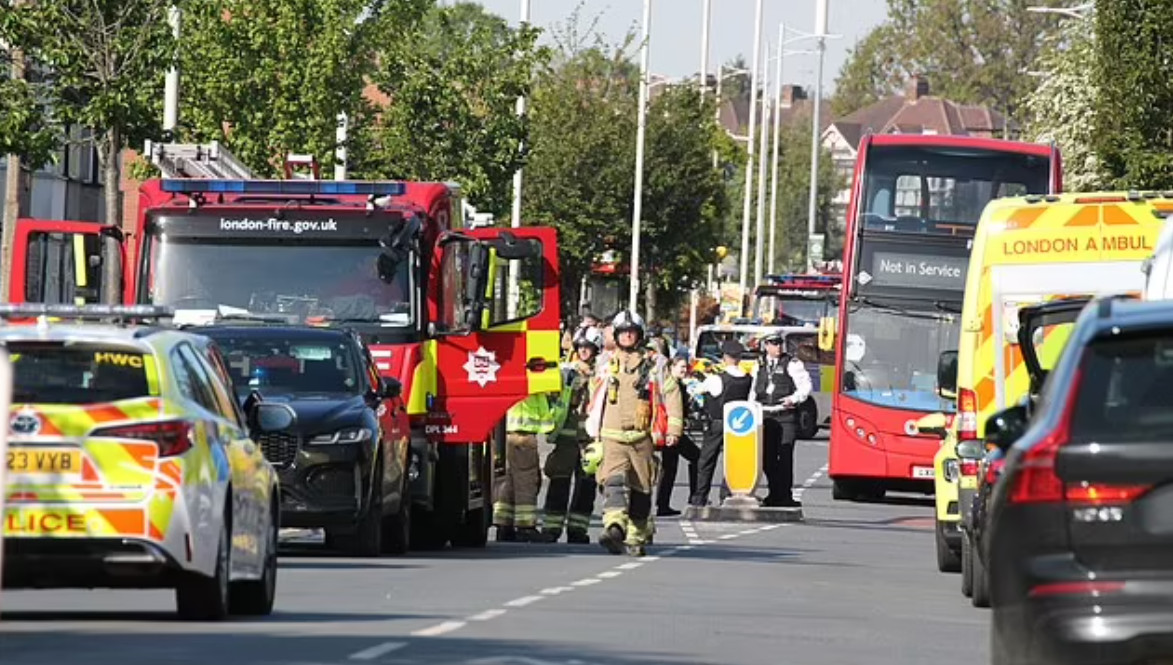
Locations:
{"points": [[592, 457]]}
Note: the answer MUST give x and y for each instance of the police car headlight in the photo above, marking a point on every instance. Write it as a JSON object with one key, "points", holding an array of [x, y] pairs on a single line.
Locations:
{"points": [[349, 435], [951, 470]]}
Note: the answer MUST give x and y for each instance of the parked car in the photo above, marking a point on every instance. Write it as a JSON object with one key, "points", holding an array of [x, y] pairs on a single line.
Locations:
{"points": [[345, 467], [131, 466], [1080, 549]]}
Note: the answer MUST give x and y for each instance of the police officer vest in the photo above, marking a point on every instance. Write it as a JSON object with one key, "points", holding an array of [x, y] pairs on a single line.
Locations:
{"points": [[733, 388], [773, 387]]}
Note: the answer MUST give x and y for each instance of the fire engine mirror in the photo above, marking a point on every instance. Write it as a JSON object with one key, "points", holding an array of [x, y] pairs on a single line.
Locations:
{"points": [[392, 388], [511, 249]]}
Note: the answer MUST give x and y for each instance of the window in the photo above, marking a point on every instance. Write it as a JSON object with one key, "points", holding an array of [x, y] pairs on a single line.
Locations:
{"points": [[56, 373], [517, 287], [194, 382], [221, 386], [806, 348], [1124, 389], [454, 307], [280, 365], [63, 268]]}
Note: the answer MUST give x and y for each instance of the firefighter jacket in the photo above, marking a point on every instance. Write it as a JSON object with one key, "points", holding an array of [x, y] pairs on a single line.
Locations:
{"points": [[532, 415], [628, 381], [570, 411]]}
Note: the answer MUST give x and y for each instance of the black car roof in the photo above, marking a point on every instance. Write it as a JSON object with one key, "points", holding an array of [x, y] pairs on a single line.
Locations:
{"points": [[1110, 312]]}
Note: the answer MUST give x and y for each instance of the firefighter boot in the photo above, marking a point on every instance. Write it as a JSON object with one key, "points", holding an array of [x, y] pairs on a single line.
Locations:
{"points": [[612, 539], [529, 534], [506, 534]]}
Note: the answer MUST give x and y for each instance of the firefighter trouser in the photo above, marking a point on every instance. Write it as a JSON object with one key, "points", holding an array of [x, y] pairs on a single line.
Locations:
{"points": [[517, 492], [628, 475], [564, 468]]}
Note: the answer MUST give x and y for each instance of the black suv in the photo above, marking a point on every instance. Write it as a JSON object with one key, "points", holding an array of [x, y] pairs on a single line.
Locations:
{"points": [[1080, 541], [345, 467]]}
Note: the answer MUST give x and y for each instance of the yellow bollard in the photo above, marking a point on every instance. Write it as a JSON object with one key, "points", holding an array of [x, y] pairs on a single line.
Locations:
{"points": [[743, 451]]}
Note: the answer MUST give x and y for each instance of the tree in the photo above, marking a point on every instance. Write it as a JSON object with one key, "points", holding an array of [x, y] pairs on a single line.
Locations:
{"points": [[685, 199], [453, 81], [102, 66], [973, 51], [870, 72], [794, 157], [1062, 106], [270, 77], [1133, 135]]}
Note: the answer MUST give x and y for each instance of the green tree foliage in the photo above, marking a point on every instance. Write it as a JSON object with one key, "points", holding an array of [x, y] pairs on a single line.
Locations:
{"points": [[1133, 134], [1062, 106], [453, 78], [973, 51], [269, 77], [794, 158], [869, 73]]}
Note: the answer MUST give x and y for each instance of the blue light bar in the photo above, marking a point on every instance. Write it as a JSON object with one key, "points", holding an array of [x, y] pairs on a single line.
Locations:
{"points": [[29, 310], [306, 187]]}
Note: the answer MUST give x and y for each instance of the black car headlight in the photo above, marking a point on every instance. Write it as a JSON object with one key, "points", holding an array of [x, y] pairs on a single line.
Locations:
{"points": [[347, 435]]}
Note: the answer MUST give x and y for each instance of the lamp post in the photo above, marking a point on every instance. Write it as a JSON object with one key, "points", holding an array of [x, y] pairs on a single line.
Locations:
{"points": [[753, 120], [759, 235], [706, 20], [641, 130], [812, 242], [515, 215]]}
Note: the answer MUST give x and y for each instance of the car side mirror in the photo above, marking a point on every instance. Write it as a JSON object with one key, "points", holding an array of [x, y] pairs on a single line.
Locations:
{"points": [[392, 388], [947, 374], [267, 417], [934, 424], [1007, 426]]}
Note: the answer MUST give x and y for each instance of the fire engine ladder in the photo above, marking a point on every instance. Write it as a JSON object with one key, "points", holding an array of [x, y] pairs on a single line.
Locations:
{"points": [[193, 160]]}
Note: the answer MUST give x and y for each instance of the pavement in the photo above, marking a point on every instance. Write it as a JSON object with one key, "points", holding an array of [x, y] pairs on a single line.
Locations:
{"points": [[855, 583]]}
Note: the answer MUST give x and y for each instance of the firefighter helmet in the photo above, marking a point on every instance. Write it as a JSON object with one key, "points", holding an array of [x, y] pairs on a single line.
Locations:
{"points": [[592, 457], [588, 336], [627, 320]]}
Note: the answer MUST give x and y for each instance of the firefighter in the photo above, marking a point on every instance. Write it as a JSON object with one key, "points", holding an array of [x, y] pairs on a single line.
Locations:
{"points": [[731, 385], [515, 511], [628, 471], [780, 384], [563, 464]]}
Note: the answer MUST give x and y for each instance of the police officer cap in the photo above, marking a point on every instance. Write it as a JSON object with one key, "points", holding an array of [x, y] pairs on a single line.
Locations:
{"points": [[732, 348], [773, 336]]}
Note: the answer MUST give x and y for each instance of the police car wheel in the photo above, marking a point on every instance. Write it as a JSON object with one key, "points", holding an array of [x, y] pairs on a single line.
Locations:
{"points": [[255, 597], [966, 566], [202, 598], [948, 559]]}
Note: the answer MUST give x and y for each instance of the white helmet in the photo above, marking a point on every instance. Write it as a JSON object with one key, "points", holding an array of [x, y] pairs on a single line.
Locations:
{"points": [[627, 320], [588, 336]]}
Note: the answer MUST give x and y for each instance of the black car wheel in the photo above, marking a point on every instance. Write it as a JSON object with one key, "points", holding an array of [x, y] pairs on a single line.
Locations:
{"points": [[948, 559], [202, 598], [980, 581], [966, 566], [397, 527], [256, 597], [808, 420]]}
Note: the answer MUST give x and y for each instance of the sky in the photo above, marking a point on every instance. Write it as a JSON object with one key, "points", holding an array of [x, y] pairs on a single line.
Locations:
{"points": [[676, 29]]}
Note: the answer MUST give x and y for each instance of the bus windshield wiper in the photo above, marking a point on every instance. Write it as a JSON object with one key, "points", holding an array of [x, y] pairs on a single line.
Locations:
{"points": [[899, 311], [944, 306]]}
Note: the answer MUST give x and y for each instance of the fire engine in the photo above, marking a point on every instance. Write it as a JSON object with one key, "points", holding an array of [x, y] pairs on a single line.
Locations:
{"points": [[463, 322], [796, 299]]}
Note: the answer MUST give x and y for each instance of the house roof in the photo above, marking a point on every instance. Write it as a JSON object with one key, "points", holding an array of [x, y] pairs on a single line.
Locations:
{"points": [[920, 115]]}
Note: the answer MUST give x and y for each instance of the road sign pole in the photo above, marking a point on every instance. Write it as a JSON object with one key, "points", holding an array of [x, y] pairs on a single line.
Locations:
{"points": [[742, 452]]}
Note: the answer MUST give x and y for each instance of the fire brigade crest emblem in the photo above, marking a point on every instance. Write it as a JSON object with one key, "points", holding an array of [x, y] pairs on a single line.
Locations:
{"points": [[482, 366]]}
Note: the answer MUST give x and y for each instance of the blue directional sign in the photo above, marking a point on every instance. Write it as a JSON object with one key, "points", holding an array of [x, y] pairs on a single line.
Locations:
{"points": [[740, 420]]}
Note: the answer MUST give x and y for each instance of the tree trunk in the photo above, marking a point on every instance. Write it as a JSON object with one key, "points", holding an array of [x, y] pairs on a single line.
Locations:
{"points": [[649, 300], [112, 252]]}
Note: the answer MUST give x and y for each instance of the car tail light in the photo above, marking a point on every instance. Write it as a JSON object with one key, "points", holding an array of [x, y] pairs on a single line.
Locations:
{"points": [[1075, 588], [966, 414], [174, 437], [969, 467]]}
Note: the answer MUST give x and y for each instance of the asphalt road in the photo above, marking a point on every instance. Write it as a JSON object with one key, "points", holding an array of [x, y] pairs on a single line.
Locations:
{"points": [[856, 583]]}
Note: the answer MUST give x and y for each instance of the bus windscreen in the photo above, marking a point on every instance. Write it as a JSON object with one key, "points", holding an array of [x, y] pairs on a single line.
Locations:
{"points": [[931, 190]]}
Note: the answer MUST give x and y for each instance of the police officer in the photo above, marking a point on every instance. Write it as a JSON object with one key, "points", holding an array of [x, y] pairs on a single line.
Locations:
{"points": [[780, 384], [628, 471], [563, 464], [515, 509], [730, 385]]}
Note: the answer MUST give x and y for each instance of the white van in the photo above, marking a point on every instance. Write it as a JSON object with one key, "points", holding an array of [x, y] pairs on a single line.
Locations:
{"points": [[1158, 268]]}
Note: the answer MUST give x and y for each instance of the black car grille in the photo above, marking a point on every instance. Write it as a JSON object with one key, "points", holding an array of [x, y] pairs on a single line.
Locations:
{"points": [[333, 482], [280, 448]]}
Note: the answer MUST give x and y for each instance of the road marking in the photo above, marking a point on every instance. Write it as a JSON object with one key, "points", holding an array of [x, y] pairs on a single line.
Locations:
{"points": [[629, 566], [586, 582], [728, 536], [377, 650], [523, 601], [440, 629], [685, 548], [649, 559], [555, 590], [608, 574], [770, 527], [747, 532], [487, 615]]}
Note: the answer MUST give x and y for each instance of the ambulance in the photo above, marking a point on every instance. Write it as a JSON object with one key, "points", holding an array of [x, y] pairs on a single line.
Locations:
{"points": [[1026, 251]]}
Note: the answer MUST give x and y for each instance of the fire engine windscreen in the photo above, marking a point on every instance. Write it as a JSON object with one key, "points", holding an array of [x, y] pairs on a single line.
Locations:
{"points": [[331, 277]]}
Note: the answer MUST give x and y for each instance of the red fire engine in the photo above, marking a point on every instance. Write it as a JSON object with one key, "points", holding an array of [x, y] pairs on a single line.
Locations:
{"points": [[465, 321]]}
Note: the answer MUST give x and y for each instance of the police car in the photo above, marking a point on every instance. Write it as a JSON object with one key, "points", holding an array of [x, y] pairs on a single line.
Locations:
{"points": [[132, 465]]}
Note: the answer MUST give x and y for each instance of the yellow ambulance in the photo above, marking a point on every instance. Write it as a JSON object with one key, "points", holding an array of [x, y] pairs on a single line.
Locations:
{"points": [[1026, 250]]}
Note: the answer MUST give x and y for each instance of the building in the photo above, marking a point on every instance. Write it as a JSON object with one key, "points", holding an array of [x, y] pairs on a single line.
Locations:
{"points": [[917, 111], [68, 188]]}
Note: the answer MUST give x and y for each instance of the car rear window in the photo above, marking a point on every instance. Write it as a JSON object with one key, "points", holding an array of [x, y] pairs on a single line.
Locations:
{"points": [[76, 373], [1126, 390], [297, 366]]}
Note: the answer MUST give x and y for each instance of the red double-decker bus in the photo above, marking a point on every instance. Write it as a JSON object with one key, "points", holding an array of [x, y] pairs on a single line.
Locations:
{"points": [[915, 203]]}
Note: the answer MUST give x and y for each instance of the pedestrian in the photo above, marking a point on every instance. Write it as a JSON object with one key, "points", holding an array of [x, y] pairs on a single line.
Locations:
{"points": [[625, 427], [564, 463], [730, 385], [685, 447], [780, 384], [515, 510]]}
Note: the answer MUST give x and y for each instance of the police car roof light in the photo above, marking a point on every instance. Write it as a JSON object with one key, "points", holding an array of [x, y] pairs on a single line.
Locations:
{"points": [[93, 312], [305, 187]]}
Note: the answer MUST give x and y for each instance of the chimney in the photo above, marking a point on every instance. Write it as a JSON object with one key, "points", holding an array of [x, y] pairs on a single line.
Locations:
{"points": [[917, 87], [791, 94]]}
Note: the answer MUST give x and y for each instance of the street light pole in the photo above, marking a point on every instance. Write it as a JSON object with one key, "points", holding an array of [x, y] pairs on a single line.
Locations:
{"points": [[637, 204], [515, 214], [812, 208], [760, 235], [753, 120], [706, 20], [171, 83], [777, 131]]}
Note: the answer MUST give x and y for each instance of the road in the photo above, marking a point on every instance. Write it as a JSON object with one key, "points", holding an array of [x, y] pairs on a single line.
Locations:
{"points": [[856, 583]]}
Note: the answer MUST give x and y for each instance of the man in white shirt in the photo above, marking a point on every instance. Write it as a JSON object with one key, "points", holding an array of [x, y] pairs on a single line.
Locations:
{"points": [[780, 384], [731, 385]]}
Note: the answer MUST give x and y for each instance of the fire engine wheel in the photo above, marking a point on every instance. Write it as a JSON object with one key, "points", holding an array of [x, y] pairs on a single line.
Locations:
{"points": [[427, 531], [475, 530]]}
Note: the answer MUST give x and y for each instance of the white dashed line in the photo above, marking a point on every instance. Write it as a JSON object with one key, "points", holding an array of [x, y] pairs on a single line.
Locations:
{"points": [[440, 629], [608, 574], [728, 536], [685, 548], [629, 566], [523, 601], [377, 650], [771, 527], [555, 590], [586, 582], [649, 559], [487, 615]]}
